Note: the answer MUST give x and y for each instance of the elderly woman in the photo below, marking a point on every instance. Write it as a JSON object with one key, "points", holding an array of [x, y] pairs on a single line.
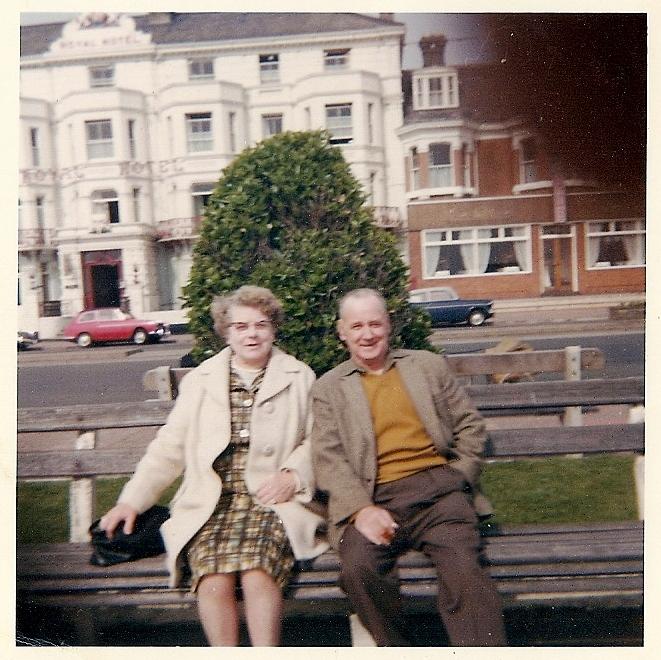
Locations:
{"points": [[239, 433]]}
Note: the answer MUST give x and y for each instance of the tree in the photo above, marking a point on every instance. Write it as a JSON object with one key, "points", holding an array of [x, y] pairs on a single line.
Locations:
{"points": [[287, 214]]}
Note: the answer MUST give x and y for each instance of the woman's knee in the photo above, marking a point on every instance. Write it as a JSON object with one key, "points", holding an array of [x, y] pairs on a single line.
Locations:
{"points": [[219, 585]]}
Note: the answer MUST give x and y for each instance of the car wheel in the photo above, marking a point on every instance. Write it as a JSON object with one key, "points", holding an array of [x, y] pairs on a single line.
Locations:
{"points": [[84, 340], [139, 336], [476, 317]]}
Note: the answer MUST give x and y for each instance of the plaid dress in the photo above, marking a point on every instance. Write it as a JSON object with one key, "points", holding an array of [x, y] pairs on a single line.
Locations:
{"points": [[241, 534]]}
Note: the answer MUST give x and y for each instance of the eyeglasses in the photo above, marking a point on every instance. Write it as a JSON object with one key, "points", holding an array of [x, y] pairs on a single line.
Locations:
{"points": [[259, 326]]}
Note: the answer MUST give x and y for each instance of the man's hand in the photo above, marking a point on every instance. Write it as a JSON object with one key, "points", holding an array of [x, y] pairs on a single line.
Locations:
{"points": [[120, 512], [376, 524], [278, 488]]}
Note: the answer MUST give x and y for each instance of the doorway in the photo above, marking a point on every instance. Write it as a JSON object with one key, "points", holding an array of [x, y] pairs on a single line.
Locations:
{"points": [[559, 275], [105, 286], [102, 274]]}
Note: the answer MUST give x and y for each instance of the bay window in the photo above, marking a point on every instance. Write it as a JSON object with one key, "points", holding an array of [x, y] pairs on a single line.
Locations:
{"points": [[476, 251], [612, 243], [99, 139], [198, 132], [338, 123]]}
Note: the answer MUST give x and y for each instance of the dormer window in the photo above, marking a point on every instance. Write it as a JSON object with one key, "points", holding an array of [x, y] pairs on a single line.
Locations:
{"points": [[435, 88]]}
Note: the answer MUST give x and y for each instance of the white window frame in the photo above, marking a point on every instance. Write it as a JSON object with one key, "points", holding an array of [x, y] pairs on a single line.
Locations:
{"points": [[131, 137], [105, 207], [470, 239], [271, 124], [613, 229], [339, 123], [200, 191], [98, 133], [440, 175], [336, 58], [199, 132], [231, 127], [201, 69], [102, 76], [34, 146], [269, 68], [416, 181], [135, 194], [445, 96]]}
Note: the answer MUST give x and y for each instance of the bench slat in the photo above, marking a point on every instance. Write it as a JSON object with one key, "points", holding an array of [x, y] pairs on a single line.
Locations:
{"points": [[505, 443], [521, 396]]}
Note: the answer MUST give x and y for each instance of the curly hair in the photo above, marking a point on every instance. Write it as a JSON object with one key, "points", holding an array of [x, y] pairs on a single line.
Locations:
{"points": [[249, 296]]}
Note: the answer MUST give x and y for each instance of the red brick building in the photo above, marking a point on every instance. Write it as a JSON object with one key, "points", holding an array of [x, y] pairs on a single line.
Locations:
{"points": [[488, 212]]}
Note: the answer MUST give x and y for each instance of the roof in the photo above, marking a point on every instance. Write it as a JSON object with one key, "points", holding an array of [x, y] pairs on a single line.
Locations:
{"points": [[220, 26], [484, 96]]}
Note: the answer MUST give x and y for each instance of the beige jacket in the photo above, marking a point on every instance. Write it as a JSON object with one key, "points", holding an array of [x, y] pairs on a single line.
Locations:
{"points": [[198, 429], [343, 442]]}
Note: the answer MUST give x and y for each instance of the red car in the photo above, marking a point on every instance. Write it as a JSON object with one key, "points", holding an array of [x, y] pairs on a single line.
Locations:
{"points": [[111, 324]]}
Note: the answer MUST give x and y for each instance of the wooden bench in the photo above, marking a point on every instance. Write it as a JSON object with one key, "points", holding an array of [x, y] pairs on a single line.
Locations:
{"points": [[598, 565]]}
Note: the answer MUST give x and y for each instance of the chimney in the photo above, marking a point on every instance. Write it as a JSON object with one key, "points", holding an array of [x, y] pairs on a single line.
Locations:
{"points": [[433, 50], [159, 18], [387, 17]]}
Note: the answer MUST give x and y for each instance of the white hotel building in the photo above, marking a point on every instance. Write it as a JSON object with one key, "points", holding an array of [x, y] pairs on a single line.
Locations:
{"points": [[127, 122]]}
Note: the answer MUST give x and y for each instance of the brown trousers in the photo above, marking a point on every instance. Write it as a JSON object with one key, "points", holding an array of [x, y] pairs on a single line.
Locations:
{"points": [[435, 516]]}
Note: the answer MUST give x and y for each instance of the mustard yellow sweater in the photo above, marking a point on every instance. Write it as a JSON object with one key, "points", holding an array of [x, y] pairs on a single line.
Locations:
{"points": [[402, 444]]}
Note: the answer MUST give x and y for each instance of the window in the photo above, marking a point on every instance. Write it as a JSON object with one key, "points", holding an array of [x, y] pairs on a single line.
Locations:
{"points": [[39, 203], [271, 125], [370, 123], [616, 243], [415, 169], [476, 251], [34, 146], [440, 167], [308, 118], [370, 191], [269, 68], [231, 118], [99, 139], [131, 132], [102, 76], [200, 69], [435, 90], [136, 204], [201, 193], [20, 215], [105, 207], [336, 59], [199, 136], [528, 155], [338, 123]]}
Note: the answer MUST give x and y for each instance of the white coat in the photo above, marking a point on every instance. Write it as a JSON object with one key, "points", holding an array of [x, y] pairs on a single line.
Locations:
{"points": [[198, 430]]}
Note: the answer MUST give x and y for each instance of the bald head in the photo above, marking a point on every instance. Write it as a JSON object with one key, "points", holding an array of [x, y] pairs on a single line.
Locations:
{"points": [[361, 295]]}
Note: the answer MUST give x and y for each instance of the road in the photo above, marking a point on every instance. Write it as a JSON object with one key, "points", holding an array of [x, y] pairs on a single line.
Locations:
{"points": [[58, 373]]}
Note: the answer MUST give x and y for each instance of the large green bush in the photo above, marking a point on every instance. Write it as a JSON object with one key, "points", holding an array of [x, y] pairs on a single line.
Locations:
{"points": [[287, 214]]}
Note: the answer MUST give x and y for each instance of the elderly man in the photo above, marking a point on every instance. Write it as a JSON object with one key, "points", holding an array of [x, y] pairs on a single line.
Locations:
{"points": [[396, 446]]}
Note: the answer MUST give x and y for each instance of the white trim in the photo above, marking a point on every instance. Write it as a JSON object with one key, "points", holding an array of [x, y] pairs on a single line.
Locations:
{"points": [[533, 185]]}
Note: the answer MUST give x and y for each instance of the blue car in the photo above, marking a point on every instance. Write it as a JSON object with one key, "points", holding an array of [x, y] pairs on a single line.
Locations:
{"points": [[446, 308]]}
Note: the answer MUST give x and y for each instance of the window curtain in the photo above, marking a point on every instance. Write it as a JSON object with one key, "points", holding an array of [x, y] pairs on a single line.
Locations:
{"points": [[521, 254], [594, 247], [633, 245], [431, 253], [484, 252]]}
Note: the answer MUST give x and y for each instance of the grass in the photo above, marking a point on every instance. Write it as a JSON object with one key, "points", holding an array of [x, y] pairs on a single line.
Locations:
{"points": [[552, 490], [42, 507]]}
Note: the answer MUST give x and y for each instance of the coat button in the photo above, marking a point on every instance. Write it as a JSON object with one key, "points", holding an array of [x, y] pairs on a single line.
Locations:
{"points": [[244, 433], [268, 407], [268, 450]]}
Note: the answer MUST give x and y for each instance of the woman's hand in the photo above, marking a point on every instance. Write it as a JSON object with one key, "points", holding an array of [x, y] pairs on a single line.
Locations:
{"points": [[120, 512], [278, 488]]}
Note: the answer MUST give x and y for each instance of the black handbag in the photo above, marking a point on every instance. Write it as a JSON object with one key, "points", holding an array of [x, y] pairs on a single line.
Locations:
{"points": [[145, 541]]}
